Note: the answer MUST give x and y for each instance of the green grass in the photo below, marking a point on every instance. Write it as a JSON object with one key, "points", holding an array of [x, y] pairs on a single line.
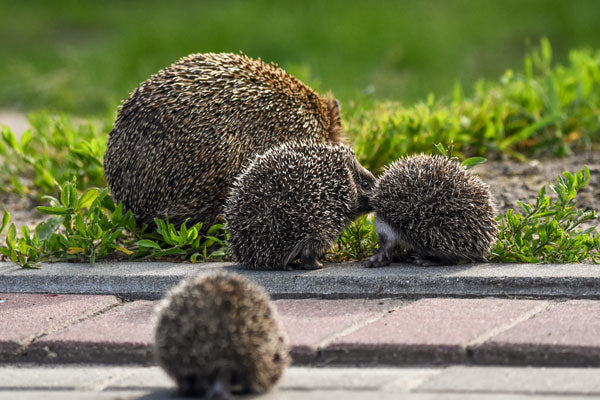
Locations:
{"points": [[83, 57], [541, 109]]}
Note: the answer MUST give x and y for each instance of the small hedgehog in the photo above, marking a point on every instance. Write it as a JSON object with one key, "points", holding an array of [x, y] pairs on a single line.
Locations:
{"points": [[293, 201], [182, 136], [435, 209], [219, 334]]}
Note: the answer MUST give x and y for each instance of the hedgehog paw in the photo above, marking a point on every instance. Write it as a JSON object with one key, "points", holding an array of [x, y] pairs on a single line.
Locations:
{"points": [[311, 265], [378, 260], [425, 262]]}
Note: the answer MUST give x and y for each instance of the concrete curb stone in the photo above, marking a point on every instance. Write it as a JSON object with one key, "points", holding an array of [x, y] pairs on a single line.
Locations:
{"points": [[150, 280]]}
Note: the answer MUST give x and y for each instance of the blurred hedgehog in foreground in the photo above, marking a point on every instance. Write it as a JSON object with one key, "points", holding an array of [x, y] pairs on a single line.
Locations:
{"points": [[220, 334], [434, 208], [293, 202], [184, 134]]}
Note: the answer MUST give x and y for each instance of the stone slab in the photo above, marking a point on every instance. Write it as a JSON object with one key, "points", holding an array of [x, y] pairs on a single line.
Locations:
{"points": [[311, 322], [24, 317], [551, 381], [569, 330], [63, 377], [151, 280], [121, 335], [109, 382], [432, 331]]}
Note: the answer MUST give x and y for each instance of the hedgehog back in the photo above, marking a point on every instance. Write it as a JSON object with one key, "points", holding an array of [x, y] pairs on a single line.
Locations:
{"points": [[436, 204], [184, 134], [221, 326], [288, 197]]}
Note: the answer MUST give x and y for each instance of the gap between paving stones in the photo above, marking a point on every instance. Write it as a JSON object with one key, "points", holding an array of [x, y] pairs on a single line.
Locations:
{"points": [[144, 280], [87, 315]]}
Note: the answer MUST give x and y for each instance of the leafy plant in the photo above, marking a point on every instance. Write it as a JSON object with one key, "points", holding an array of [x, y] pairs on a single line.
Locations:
{"points": [[185, 243], [53, 150], [357, 242], [89, 226], [547, 231]]}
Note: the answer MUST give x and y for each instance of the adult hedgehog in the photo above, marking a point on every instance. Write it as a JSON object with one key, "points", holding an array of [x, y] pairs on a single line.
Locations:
{"points": [[182, 136]]}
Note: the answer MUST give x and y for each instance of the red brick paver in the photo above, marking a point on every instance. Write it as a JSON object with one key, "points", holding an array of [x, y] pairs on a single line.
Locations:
{"points": [[24, 317], [570, 330], [122, 332], [310, 322], [429, 330], [73, 328]]}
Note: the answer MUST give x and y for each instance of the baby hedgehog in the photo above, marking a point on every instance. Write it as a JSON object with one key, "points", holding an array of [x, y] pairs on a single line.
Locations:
{"points": [[434, 208], [184, 134], [293, 201], [219, 334]]}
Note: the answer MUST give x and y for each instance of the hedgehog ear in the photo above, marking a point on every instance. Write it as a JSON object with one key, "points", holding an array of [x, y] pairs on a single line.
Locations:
{"points": [[336, 103]]}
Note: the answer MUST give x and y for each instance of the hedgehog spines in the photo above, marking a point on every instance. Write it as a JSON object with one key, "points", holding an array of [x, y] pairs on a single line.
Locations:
{"points": [[186, 132], [434, 208], [293, 201], [220, 329]]}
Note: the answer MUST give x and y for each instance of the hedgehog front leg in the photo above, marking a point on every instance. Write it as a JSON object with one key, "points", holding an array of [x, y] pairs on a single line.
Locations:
{"points": [[384, 255], [309, 259], [386, 240]]}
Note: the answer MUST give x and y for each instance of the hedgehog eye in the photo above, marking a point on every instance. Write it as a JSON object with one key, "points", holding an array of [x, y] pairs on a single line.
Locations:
{"points": [[364, 184]]}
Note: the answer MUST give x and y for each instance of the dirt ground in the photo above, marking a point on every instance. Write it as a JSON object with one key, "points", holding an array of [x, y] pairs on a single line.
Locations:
{"points": [[511, 181]]}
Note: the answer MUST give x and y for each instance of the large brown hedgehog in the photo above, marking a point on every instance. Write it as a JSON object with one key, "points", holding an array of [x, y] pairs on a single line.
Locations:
{"points": [[293, 202], [218, 334], [184, 134], [434, 208]]}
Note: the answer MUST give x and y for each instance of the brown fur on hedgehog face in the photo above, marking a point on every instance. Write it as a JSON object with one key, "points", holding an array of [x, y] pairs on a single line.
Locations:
{"points": [[336, 134], [220, 327], [184, 134]]}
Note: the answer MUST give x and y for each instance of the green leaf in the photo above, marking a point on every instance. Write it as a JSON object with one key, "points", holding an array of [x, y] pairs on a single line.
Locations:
{"points": [[87, 198], [441, 149], [54, 210], [80, 224], [473, 161], [149, 244], [5, 220], [11, 236], [48, 227]]}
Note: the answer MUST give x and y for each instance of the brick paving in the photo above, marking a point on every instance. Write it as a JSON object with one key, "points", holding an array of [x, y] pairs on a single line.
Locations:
{"points": [[73, 328]]}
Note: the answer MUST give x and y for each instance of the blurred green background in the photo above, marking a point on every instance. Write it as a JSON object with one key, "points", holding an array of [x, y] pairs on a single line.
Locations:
{"points": [[84, 57]]}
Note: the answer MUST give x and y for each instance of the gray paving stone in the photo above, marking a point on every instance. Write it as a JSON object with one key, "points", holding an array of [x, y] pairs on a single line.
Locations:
{"points": [[576, 381], [350, 280], [109, 382], [82, 395], [390, 379], [27, 377], [275, 395], [7, 267], [143, 378]]}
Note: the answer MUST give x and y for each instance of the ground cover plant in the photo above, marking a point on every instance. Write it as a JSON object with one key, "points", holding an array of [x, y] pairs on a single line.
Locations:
{"points": [[543, 109]]}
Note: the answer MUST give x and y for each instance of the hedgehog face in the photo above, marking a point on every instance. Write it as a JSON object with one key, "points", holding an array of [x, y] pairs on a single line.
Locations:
{"points": [[364, 182]]}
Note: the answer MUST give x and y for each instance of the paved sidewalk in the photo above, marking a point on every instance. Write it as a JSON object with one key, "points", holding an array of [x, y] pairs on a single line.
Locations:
{"points": [[433, 331], [451, 383], [150, 280]]}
